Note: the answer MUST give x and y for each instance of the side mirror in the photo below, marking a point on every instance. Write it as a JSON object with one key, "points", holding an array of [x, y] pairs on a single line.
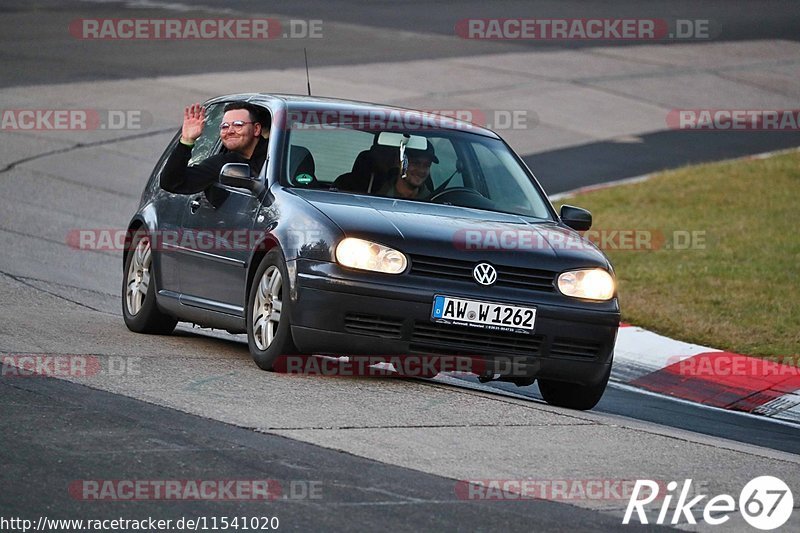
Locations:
{"points": [[576, 218], [238, 175]]}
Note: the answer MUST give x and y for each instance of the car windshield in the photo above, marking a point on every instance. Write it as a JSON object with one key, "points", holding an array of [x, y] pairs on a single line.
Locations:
{"points": [[446, 166]]}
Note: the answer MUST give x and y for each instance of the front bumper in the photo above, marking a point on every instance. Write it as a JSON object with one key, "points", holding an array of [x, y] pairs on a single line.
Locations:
{"points": [[339, 311]]}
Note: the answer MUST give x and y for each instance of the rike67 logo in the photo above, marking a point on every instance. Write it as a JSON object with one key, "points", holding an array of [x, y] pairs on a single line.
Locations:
{"points": [[765, 503]]}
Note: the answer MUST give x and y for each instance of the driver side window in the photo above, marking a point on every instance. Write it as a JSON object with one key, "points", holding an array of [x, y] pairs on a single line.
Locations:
{"points": [[205, 145]]}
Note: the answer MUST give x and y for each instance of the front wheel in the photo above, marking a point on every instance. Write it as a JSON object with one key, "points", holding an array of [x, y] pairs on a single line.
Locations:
{"points": [[571, 395], [139, 308], [268, 330]]}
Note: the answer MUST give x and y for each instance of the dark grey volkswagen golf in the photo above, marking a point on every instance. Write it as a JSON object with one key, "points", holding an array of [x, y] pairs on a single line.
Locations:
{"points": [[373, 230]]}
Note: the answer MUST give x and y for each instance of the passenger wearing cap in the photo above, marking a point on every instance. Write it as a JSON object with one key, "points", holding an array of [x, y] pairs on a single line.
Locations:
{"points": [[413, 185]]}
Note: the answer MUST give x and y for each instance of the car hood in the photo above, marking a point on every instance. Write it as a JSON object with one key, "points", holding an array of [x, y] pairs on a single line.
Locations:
{"points": [[456, 232]]}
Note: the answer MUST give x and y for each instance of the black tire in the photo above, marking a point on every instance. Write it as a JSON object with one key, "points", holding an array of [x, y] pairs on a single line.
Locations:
{"points": [[139, 308], [266, 347], [571, 395]]}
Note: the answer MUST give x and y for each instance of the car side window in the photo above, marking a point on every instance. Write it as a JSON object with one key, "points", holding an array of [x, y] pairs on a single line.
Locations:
{"points": [[153, 185], [332, 151], [504, 187], [205, 145], [499, 181], [446, 154]]}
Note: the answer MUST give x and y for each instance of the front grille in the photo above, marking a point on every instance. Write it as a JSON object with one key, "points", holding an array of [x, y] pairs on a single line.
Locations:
{"points": [[456, 340], [453, 269], [562, 347], [375, 326]]}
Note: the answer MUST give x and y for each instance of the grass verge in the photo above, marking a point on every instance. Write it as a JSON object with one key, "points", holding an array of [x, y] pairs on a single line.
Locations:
{"points": [[718, 260]]}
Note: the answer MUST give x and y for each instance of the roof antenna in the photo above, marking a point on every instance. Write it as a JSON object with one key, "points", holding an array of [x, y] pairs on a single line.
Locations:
{"points": [[308, 80]]}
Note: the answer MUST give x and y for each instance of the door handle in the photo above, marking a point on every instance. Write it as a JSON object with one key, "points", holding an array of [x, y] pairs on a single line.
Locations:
{"points": [[194, 205]]}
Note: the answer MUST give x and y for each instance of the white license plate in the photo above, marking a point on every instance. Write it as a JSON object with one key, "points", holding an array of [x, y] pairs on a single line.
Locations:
{"points": [[487, 315]]}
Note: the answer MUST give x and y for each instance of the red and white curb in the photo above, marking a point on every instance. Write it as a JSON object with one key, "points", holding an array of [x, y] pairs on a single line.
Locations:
{"points": [[652, 362]]}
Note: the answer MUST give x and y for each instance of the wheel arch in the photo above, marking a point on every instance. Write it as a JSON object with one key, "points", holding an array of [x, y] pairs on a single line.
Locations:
{"points": [[135, 225], [261, 249]]}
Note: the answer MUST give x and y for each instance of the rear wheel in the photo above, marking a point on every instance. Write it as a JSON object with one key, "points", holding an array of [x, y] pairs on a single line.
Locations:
{"points": [[139, 308], [571, 395], [268, 330]]}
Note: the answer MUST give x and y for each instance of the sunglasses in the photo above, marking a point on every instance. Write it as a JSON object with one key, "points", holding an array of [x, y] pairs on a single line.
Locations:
{"points": [[236, 125]]}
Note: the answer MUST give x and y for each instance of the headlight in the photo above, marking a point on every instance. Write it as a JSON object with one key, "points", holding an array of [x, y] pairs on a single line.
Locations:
{"points": [[366, 255], [594, 284]]}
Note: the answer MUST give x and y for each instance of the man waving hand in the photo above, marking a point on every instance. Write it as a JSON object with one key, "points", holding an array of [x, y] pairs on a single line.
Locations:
{"points": [[241, 133]]}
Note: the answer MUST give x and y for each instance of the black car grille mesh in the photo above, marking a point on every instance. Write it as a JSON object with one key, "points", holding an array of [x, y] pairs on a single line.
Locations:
{"points": [[562, 347], [456, 340], [445, 339], [376, 326], [453, 269]]}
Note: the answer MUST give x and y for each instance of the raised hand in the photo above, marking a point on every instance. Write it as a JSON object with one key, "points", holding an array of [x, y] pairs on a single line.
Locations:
{"points": [[193, 117]]}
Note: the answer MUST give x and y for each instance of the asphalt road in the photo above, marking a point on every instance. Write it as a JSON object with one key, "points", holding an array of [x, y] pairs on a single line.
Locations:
{"points": [[627, 402], [572, 167], [38, 48], [72, 433], [387, 453]]}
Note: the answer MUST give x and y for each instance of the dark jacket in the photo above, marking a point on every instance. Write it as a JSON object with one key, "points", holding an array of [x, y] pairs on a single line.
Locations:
{"points": [[180, 178]]}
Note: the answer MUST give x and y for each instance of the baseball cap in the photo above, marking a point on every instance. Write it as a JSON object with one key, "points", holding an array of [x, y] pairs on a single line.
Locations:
{"points": [[428, 153]]}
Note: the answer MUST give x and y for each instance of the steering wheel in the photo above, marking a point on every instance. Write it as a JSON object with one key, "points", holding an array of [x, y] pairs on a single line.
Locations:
{"points": [[453, 191]]}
